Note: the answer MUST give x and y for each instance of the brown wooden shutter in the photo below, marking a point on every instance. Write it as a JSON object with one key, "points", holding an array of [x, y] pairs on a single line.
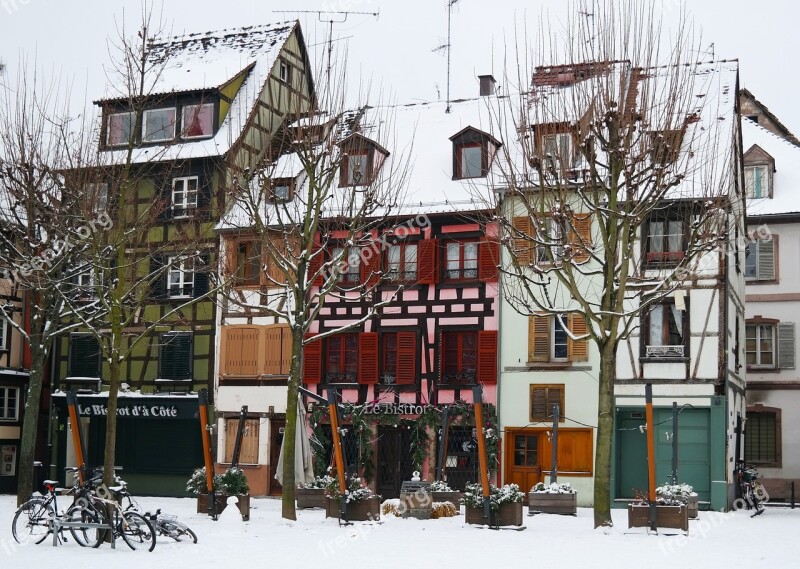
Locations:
{"points": [[273, 339], [312, 360], [538, 403], [578, 350], [406, 358], [231, 254], [581, 236], [275, 273], [344, 166], [371, 264], [488, 259], [538, 338], [286, 350], [368, 358], [241, 352], [522, 247], [487, 356], [554, 397], [428, 261]]}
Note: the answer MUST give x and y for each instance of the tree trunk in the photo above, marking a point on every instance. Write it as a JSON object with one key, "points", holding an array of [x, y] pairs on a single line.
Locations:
{"points": [[115, 370], [290, 432], [30, 424], [605, 435]]}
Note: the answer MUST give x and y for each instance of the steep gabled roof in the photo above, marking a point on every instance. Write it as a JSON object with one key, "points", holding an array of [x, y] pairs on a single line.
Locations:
{"points": [[783, 131], [786, 178]]}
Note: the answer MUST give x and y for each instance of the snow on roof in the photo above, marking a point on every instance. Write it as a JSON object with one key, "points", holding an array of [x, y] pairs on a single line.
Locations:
{"points": [[208, 60], [786, 178]]}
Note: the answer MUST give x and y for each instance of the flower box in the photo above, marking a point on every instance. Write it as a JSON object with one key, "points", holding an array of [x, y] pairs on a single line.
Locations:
{"points": [[666, 516], [361, 511], [453, 497], [553, 503], [204, 503], [310, 498], [509, 514]]}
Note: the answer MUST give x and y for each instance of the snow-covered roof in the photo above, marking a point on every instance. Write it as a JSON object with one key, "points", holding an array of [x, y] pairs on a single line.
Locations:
{"points": [[418, 139], [209, 60], [786, 178]]}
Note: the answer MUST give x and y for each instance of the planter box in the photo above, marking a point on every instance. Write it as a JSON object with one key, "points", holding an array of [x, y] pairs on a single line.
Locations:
{"points": [[666, 516], [204, 503], [552, 503], [310, 497], [363, 511], [452, 497], [692, 506], [507, 515]]}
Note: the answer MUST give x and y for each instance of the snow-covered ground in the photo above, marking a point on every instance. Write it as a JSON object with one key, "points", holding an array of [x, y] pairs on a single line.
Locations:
{"points": [[714, 540]]}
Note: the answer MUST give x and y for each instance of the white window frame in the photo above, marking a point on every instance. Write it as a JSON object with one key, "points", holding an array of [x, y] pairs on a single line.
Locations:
{"points": [[183, 121], [146, 119], [179, 268], [559, 147], [3, 333], [464, 171], [753, 255], [548, 240], [181, 208], [108, 129], [758, 351], [363, 159], [285, 72], [4, 407], [563, 325], [749, 181]]}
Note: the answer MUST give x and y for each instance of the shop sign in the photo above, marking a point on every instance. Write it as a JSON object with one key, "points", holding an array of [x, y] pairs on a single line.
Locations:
{"points": [[394, 409], [130, 410]]}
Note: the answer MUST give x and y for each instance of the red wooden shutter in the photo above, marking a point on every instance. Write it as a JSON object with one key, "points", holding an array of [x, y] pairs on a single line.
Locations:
{"points": [[315, 265], [427, 259], [406, 358], [487, 356], [488, 259], [312, 361], [371, 264], [368, 357]]}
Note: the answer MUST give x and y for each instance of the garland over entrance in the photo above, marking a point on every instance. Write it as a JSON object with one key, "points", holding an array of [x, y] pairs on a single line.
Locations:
{"points": [[423, 420]]}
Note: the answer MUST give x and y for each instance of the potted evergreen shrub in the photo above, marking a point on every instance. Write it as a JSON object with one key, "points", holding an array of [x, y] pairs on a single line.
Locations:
{"points": [[505, 505], [312, 495], [362, 503], [670, 513], [675, 494], [234, 483], [553, 499], [197, 485]]}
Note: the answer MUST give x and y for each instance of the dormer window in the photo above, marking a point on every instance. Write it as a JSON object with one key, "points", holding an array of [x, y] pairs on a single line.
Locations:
{"points": [[757, 182], [281, 190], [361, 161], [159, 125], [557, 150], [198, 120], [473, 152], [120, 128]]}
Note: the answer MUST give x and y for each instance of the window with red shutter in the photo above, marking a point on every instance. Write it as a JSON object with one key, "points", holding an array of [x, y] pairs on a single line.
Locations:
{"points": [[398, 364], [459, 358], [428, 259], [312, 360], [487, 356], [371, 264], [368, 357], [341, 358], [488, 260]]}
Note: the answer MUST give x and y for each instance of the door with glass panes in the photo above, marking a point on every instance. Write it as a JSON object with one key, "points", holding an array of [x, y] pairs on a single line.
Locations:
{"points": [[522, 464]]}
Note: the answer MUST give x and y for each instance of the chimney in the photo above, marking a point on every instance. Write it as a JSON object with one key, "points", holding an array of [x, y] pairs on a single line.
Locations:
{"points": [[487, 85]]}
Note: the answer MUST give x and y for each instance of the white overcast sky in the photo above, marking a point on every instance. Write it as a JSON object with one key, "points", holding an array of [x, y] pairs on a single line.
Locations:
{"points": [[395, 50]]}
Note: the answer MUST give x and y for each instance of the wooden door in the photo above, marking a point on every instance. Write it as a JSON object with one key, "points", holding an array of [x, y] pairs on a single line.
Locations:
{"points": [[275, 440], [522, 462]]}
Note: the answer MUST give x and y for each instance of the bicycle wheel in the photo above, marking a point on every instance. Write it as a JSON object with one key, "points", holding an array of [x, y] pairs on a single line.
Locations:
{"points": [[33, 521], [88, 536], [177, 530], [136, 531]]}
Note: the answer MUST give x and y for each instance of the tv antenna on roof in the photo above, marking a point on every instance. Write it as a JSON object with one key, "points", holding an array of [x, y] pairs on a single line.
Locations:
{"points": [[446, 47], [339, 17]]}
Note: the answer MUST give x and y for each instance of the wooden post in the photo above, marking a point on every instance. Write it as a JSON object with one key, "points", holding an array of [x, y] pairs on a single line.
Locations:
{"points": [[202, 399], [554, 455], [477, 399], [77, 435], [441, 462], [338, 456], [674, 442], [237, 445], [651, 455]]}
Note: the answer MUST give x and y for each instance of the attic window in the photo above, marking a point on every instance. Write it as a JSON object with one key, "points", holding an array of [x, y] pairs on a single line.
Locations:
{"points": [[473, 152], [757, 181], [120, 128], [281, 190], [361, 161], [285, 73], [198, 120], [159, 125], [559, 148]]}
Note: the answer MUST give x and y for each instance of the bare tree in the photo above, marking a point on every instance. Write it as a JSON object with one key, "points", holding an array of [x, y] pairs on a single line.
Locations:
{"points": [[44, 229], [615, 182], [315, 208]]}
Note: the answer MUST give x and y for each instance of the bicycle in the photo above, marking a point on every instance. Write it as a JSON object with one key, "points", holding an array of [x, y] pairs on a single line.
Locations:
{"points": [[750, 489], [165, 524]]}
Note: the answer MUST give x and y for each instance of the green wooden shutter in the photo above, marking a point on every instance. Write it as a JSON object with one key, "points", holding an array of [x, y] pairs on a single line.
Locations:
{"points": [[201, 274], [786, 345], [84, 356], [158, 284], [175, 359]]}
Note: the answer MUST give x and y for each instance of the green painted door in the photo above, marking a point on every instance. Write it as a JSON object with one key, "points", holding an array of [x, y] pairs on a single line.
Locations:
{"points": [[694, 450]]}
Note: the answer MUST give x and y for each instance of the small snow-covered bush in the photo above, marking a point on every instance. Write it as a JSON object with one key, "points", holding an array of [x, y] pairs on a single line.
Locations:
{"points": [[508, 494], [356, 491], [197, 483], [320, 482], [674, 494], [554, 488], [440, 486]]}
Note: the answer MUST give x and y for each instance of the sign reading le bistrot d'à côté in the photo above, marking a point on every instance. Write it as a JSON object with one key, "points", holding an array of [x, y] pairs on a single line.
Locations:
{"points": [[130, 410]]}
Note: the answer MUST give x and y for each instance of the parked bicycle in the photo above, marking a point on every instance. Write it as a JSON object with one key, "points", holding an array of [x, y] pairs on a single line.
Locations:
{"points": [[751, 491]]}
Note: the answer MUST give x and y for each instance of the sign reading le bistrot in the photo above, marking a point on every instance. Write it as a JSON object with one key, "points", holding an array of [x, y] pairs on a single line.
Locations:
{"points": [[130, 409]]}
